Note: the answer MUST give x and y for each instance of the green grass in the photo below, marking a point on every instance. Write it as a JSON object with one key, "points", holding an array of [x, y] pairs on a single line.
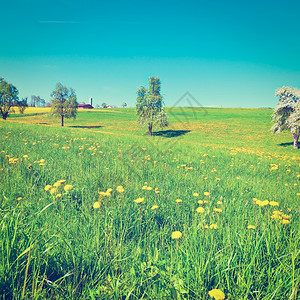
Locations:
{"points": [[64, 248]]}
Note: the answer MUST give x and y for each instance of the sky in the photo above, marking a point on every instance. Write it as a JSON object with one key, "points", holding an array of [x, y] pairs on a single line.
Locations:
{"points": [[224, 53]]}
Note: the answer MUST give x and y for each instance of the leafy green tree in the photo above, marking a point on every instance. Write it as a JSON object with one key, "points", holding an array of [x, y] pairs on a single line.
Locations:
{"points": [[286, 115], [149, 106], [22, 105], [8, 98], [103, 105], [64, 103]]}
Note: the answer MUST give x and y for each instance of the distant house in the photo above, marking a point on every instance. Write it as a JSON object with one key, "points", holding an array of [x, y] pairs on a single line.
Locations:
{"points": [[85, 106], [108, 106]]}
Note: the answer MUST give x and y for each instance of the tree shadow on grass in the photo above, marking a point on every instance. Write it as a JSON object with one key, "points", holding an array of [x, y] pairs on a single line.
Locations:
{"points": [[286, 144], [170, 133], [87, 126]]}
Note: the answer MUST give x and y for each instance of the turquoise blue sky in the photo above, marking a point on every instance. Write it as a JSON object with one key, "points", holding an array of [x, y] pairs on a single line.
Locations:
{"points": [[225, 53]]}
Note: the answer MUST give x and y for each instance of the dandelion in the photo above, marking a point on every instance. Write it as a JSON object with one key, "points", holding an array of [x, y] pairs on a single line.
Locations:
{"points": [[219, 202], [251, 227], [206, 194], [48, 187], [96, 204], [285, 222], [176, 235], [68, 187], [216, 294], [285, 216], [206, 226], [25, 156], [178, 200], [19, 198], [139, 200], [61, 181], [53, 191], [144, 187], [213, 226], [149, 188], [273, 203], [58, 196], [195, 194], [200, 201], [200, 210], [154, 207], [57, 184], [120, 189], [217, 209]]}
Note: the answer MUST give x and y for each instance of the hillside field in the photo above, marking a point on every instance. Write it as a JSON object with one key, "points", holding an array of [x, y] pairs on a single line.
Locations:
{"points": [[89, 210]]}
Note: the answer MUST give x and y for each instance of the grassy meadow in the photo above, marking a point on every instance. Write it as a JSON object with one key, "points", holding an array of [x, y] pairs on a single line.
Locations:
{"points": [[88, 210]]}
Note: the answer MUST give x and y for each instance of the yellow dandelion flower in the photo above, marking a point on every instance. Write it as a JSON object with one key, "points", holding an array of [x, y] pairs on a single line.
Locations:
{"points": [[195, 194], [219, 202], [120, 189], [68, 187], [273, 203], [205, 201], [154, 207], [149, 188], [57, 184], [254, 199], [145, 182], [298, 194], [109, 190], [206, 226], [176, 235], [200, 201], [48, 187], [58, 196], [62, 181], [285, 216], [276, 217], [139, 200], [144, 187], [285, 222], [216, 294], [157, 191], [19, 198], [251, 227], [178, 200], [96, 204], [206, 193], [53, 191], [213, 226], [200, 210], [217, 209], [25, 156]]}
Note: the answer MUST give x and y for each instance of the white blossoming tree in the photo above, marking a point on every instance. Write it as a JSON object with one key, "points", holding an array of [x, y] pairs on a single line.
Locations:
{"points": [[149, 106], [286, 115]]}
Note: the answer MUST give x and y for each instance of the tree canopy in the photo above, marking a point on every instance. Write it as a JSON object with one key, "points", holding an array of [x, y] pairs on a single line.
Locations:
{"points": [[64, 102], [149, 106], [8, 98], [286, 115]]}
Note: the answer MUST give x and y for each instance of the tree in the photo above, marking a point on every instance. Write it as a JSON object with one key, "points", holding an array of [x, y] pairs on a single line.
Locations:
{"points": [[286, 115], [8, 98], [149, 106], [22, 105], [124, 104], [64, 102]]}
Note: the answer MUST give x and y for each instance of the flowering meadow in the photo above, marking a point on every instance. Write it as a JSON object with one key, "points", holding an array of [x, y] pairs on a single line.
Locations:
{"points": [[205, 209]]}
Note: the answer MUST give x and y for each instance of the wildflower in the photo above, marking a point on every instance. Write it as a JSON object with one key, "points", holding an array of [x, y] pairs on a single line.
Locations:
{"points": [[96, 205], [206, 193], [195, 194], [273, 203], [213, 226], [149, 188], [285, 216], [200, 201], [62, 181], [68, 187], [178, 200], [25, 156], [139, 200], [53, 191], [206, 227], [219, 202], [251, 227], [57, 184], [218, 179], [200, 210], [285, 222], [205, 201], [176, 235], [154, 207], [19, 198], [217, 209], [120, 189], [146, 183], [216, 294], [48, 187], [58, 196], [254, 199], [144, 187], [109, 190]]}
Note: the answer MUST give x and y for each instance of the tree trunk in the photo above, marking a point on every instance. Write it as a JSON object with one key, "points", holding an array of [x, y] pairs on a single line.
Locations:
{"points": [[150, 129], [4, 116], [62, 120], [296, 138]]}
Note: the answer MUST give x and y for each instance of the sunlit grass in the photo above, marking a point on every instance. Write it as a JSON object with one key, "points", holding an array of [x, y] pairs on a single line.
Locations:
{"points": [[56, 242]]}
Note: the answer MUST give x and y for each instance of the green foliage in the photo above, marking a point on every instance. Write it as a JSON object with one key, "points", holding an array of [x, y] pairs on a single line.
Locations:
{"points": [[149, 106], [64, 103], [286, 115], [8, 98], [22, 105]]}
